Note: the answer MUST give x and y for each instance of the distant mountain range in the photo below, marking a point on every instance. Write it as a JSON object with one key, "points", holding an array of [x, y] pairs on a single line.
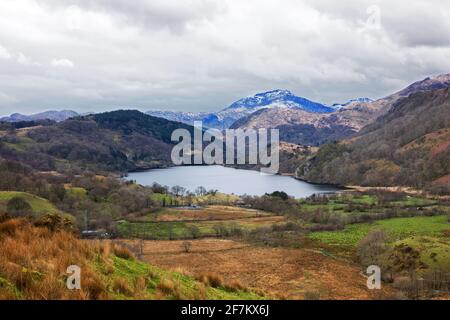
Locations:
{"points": [[306, 128], [300, 121], [57, 116]]}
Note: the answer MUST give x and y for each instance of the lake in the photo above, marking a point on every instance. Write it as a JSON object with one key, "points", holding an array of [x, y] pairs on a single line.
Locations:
{"points": [[228, 180]]}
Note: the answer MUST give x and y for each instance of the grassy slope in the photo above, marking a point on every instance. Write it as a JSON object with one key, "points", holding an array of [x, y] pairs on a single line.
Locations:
{"points": [[39, 205], [185, 287], [33, 264], [434, 252]]}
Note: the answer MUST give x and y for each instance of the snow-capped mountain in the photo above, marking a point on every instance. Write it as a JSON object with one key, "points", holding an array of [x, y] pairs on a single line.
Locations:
{"points": [[244, 107], [338, 106], [277, 98]]}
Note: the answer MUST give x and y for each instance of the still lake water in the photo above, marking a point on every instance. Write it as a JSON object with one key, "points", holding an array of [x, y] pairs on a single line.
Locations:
{"points": [[228, 180]]}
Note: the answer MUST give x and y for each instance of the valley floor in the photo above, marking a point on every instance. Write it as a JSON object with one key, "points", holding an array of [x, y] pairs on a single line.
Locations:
{"points": [[285, 273]]}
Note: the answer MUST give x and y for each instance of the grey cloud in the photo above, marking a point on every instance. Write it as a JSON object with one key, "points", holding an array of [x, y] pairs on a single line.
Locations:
{"points": [[171, 14], [203, 55]]}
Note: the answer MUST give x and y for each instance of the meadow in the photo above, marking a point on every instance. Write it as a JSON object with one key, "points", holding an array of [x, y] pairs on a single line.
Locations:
{"points": [[396, 228]]}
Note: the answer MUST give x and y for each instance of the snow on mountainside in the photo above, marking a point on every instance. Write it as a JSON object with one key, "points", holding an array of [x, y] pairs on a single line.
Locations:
{"points": [[47, 115], [244, 107], [277, 98], [338, 106]]}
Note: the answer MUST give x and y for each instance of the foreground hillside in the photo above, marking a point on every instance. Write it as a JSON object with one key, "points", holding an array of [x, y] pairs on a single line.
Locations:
{"points": [[408, 146], [34, 261]]}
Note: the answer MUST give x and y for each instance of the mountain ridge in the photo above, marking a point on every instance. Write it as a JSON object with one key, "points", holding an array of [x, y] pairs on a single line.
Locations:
{"points": [[115, 141], [53, 115], [408, 146], [243, 107], [297, 126]]}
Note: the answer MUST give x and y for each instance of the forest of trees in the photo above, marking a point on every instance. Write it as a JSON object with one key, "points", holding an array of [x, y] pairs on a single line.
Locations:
{"points": [[114, 141], [409, 147]]}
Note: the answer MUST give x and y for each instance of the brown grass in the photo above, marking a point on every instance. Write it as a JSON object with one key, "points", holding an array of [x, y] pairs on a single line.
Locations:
{"points": [[9, 227], [281, 272], [167, 287], [122, 252], [122, 286], [35, 261], [236, 285], [140, 287], [210, 213], [211, 279]]}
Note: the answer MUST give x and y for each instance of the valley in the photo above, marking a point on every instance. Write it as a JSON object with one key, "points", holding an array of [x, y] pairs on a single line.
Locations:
{"points": [[265, 155], [213, 232]]}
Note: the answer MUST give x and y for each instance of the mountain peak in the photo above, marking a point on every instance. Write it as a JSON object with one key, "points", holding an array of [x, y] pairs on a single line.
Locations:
{"points": [[338, 106], [278, 98], [430, 83], [274, 94]]}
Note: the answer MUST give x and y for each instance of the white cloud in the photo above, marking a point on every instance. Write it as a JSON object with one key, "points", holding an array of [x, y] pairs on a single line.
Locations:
{"points": [[62, 63], [4, 53], [204, 54], [22, 59]]}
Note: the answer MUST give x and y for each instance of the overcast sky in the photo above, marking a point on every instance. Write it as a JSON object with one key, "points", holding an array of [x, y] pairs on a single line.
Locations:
{"points": [[201, 55]]}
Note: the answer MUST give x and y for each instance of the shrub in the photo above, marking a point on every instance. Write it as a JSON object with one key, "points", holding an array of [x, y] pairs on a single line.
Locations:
{"points": [[212, 280], [122, 252], [186, 246], [195, 231], [18, 207], [200, 291], [121, 286], [140, 287], [93, 285], [372, 247], [166, 286], [54, 222]]}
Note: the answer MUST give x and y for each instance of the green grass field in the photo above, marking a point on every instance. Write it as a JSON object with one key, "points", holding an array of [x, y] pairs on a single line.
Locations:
{"points": [[397, 229], [434, 252], [150, 230], [414, 202], [39, 205], [178, 230]]}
